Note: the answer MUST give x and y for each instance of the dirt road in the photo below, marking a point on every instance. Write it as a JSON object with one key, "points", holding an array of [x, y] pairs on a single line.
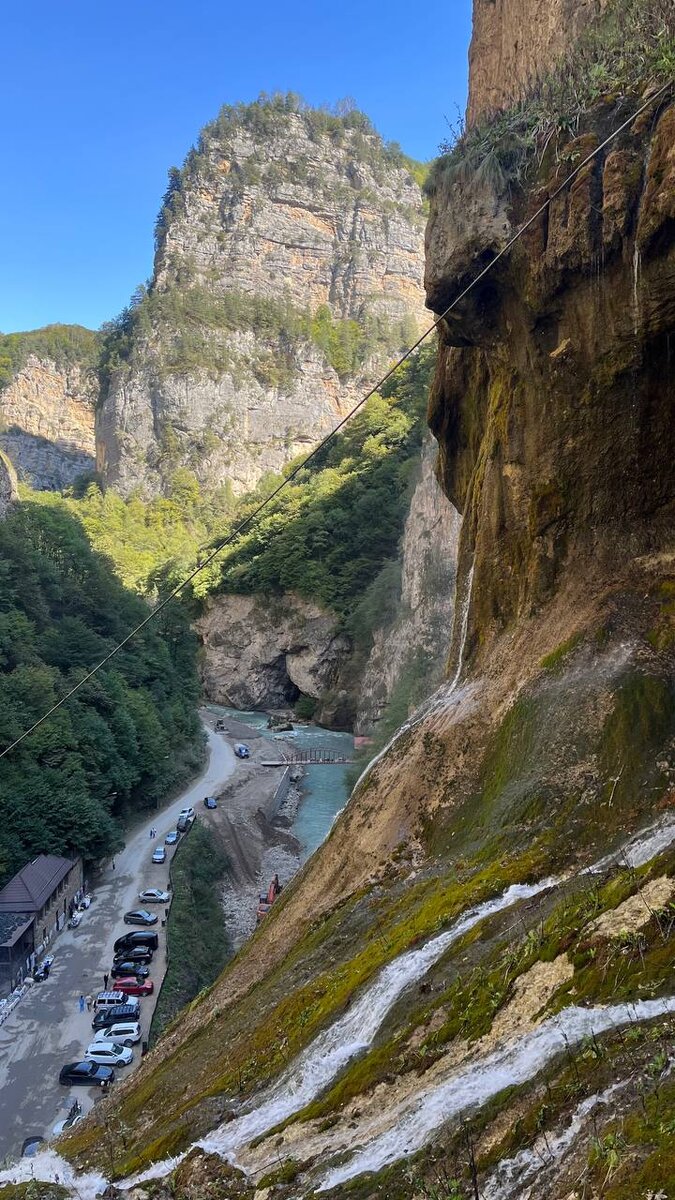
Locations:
{"points": [[47, 1029]]}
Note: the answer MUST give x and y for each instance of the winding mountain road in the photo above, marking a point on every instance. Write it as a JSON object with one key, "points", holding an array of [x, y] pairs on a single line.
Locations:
{"points": [[46, 1029]]}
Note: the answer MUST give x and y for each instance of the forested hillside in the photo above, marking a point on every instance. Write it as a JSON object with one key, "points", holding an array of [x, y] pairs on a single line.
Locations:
{"points": [[338, 523], [128, 736]]}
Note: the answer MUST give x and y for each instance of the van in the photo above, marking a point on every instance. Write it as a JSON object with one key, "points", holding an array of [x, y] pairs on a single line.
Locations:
{"points": [[139, 937], [111, 1000], [112, 1016]]}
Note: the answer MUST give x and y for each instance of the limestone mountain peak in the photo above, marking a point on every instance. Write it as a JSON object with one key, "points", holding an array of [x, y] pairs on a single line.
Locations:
{"points": [[287, 273]]}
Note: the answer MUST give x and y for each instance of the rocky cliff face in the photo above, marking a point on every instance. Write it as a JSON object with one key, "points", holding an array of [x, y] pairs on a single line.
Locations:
{"points": [[468, 989], [515, 42], [416, 646], [288, 271], [8, 484], [264, 652], [47, 415]]}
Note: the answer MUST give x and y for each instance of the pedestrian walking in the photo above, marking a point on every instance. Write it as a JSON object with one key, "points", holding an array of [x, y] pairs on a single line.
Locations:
{"points": [[106, 977], [113, 864], [81, 1003], [89, 1003]]}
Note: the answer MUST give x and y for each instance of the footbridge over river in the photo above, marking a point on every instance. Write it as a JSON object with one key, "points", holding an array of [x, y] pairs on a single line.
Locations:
{"points": [[317, 756]]}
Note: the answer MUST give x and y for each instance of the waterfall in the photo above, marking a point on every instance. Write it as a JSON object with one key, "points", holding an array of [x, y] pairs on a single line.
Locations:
{"points": [[438, 702], [463, 630], [637, 263], [353, 1033], [514, 1174], [417, 1119], [640, 849]]}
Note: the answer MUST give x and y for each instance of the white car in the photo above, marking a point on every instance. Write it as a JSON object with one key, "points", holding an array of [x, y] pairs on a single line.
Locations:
{"points": [[126, 1032], [110, 1054], [154, 896], [187, 812]]}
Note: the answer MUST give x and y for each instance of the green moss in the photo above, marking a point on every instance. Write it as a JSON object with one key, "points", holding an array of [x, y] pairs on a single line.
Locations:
{"points": [[662, 635], [649, 1138], [641, 721], [550, 662], [33, 1190], [286, 1173]]}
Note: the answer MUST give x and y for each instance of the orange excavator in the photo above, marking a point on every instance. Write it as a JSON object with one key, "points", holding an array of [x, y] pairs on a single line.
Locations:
{"points": [[266, 899]]}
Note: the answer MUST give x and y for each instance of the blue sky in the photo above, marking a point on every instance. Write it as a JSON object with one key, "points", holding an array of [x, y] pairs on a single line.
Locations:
{"points": [[101, 97]]}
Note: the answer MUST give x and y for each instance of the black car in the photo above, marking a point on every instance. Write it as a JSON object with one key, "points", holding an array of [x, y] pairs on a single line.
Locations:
{"points": [[140, 937], [134, 954], [87, 1073], [140, 916], [127, 967], [110, 1016]]}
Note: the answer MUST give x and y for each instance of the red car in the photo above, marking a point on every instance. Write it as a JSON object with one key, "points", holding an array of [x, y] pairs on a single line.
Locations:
{"points": [[134, 987]]}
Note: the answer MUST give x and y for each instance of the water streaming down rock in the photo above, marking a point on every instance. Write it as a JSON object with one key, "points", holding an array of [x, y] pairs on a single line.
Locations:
{"points": [[353, 1033], [514, 1174], [416, 1120], [350, 1035], [438, 701], [640, 849], [636, 289]]}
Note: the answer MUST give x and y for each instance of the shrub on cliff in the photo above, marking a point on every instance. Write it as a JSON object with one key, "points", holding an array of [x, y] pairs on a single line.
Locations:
{"points": [[629, 46]]}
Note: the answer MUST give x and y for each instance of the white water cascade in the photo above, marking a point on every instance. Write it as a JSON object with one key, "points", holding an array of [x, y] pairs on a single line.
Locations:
{"points": [[319, 1064], [513, 1175], [438, 701], [350, 1035], [416, 1120]]}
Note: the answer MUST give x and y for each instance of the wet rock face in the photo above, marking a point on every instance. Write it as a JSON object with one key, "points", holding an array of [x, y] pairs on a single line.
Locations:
{"points": [[264, 652], [418, 641], [47, 414], [8, 486], [270, 210], [515, 41], [553, 415]]}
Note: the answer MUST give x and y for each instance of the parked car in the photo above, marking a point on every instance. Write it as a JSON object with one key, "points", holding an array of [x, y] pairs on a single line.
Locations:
{"points": [[108, 999], [131, 986], [241, 750], [126, 1032], [188, 812], [133, 954], [140, 916], [172, 838], [31, 1145], [183, 824], [110, 1054], [89, 1074], [210, 802], [159, 855], [121, 970], [154, 896], [139, 937], [112, 1016]]}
